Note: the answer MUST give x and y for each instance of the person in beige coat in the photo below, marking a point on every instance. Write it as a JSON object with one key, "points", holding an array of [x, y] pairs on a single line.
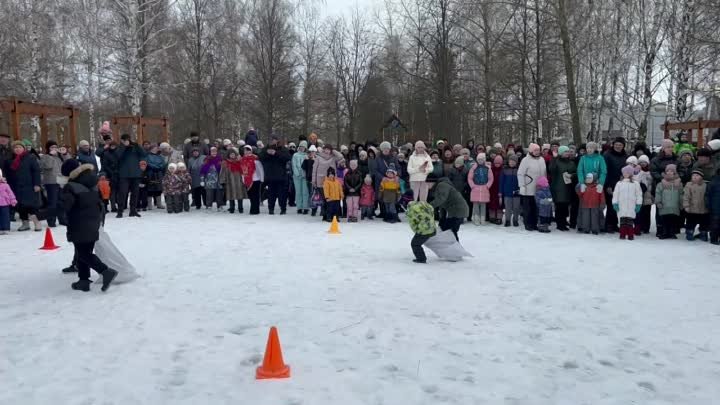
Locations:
{"points": [[695, 206], [231, 178]]}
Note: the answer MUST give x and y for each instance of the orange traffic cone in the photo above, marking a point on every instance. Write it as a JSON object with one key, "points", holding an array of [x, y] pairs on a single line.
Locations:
{"points": [[273, 365], [49, 241], [334, 227]]}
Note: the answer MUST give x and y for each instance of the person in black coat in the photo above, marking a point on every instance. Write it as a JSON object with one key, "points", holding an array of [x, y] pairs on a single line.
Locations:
{"points": [[84, 212], [194, 143], [110, 165], [615, 159], [274, 159], [23, 175], [129, 174]]}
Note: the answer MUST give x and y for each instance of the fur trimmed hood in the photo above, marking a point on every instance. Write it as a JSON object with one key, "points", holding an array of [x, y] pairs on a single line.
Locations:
{"points": [[84, 167]]}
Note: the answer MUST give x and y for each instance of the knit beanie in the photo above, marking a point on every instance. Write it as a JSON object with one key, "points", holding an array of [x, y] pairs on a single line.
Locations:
{"points": [[546, 146], [363, 154], [83, 143], [481, 158], [368, 179], [542, 182], [513, 157], [714, 145], [644, 158], [331, 171], [670, 167], [181, 166], [562, 150], [172, 167], [699, 173], [312, 148], [303, 144], [628, 170], [226, 142], [632, 160], [459, 161], [667, 143], [533, 148], [385, 146], [68, 166], [48, 145], [419, 144]]}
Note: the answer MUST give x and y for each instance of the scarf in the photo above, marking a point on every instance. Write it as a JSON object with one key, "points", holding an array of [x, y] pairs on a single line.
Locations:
{"points": [[235, 166], [16, 163], [674, 182], [247, 163], [211, 162]]}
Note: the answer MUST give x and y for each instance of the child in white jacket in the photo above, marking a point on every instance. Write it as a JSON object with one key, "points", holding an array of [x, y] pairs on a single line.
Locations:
{"points": [[627, 201], [419, 166]]}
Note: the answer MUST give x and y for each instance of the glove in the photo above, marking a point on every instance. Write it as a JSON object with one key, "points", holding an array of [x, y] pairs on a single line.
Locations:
{"points": [[202, 184], [616, 207], [583, 188], [599, 188], [637, 208]]}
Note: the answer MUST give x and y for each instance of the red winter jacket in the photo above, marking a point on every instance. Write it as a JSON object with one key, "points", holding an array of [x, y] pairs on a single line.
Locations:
{"points": [[247, 163], [367, 195], [590, 198]]}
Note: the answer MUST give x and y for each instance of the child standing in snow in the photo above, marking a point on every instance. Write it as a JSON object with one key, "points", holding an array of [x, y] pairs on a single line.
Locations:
{"points": [[367, 199], [7, 200], [172, 188], [104, 188], [186, 181], [390, 194], [480, 179], [668, 198], [695, 208], [627, 201], [495, 205], [591, 205], [509, 191], [421, 217], [644, 177], [353, 184], [142, 203], [332, 188], [544, 202]]}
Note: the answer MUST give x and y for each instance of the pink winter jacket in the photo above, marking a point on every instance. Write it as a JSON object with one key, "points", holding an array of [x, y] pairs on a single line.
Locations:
{"points": [[7, 198], [478, 193]]}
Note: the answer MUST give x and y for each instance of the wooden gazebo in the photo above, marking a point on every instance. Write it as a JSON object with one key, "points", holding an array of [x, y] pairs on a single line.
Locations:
{"points": [[699, 125], [141, 122], [17, 108]]}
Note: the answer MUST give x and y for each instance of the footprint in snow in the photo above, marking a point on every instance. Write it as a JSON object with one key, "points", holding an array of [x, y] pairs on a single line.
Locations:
{"points": [[430, 389], [647, 385], [570, 365], [252, 360]]}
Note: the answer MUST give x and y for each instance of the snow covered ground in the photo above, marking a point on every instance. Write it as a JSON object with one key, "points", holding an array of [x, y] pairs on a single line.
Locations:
{"points": [[532, 319]]}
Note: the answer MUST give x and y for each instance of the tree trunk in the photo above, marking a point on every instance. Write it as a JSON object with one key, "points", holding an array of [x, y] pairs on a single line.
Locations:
{"points": [[569, 71]]}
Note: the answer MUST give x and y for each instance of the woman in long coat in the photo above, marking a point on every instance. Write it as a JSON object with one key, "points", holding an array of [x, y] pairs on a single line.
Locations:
{"points": [[231, 178], [24, 179]]}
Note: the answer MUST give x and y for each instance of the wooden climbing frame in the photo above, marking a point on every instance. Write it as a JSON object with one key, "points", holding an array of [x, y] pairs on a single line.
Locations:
{"points": [[699, 125], [141, 122], [17, 108]]}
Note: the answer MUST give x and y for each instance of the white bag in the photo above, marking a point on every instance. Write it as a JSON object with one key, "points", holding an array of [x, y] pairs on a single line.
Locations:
{"points": [[446, 247], [106, 250]]}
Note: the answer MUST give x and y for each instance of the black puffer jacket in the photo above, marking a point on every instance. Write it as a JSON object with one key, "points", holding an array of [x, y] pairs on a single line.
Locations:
{"points": [[275, 165], [353, 183], [83, 205], [109, 161], [615, 162]]}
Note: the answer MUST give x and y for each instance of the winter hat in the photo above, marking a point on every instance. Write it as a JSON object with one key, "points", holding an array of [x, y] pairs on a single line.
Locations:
{"points": [[619, 139], [331, 171], [497, 145], [172, 167], [498, 160], [4, 135], [164, 145], [419, 144], [368, 179], [667, 143], [385, 146], [632, 160], [68, 166], [699, 172], [459, 161], [628, 170], [400, 156], [354, 164], [344, 148], [590, 177], [714, 145], [83, 143], [248, 147], [231, 151], [49, 144], [542, 182], [363, 154], [181, 166], [303, 144], [312, 148], [390, 170], [292, 145], [592, 145], [563, 149], [670, 167], [481, 158], [533, 148], [125, 137], [644, 158], [465, 151], [240, 142], [513, 157], [704, 152], [545, 146]]}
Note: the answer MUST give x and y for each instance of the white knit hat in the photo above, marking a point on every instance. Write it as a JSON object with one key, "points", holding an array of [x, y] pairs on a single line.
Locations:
{"points": [[419, 144], [172, 166], [227, 142], [84, 143], [643, 158], [632, 160], [385, 146], [714, 144], [312, 148]]}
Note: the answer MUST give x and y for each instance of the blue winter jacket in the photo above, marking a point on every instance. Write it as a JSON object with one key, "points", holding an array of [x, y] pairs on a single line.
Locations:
{"points": [[297, 161], [543, 200], [509, 186], [87, 158]]}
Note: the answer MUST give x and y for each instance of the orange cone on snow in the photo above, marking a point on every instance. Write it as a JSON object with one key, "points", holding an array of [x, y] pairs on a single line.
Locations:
{"points": [[334, 227], [49, 241], [273, 365]]}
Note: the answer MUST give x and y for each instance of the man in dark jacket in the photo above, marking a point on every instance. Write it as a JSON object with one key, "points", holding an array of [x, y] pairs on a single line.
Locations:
{"points": [[6, 152], [129, 156], [109, 163], [274, 159], [446, 197], [712, 197], [194, 143], [85, 155], [251, 138], [84, 210], [614, 160]]}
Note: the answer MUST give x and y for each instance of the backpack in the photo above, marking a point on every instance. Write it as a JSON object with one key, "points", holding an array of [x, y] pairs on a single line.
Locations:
{"points": [[480, 176]]}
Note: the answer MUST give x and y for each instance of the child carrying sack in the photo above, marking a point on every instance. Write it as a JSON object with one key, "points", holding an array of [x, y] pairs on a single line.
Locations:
{"points": [[106, 250], [480, 176], [317, 199], [446, 247]]}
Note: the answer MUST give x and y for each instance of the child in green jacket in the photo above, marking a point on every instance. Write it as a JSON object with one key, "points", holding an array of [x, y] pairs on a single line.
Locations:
{"points": [[421, 218], [668, 200]]}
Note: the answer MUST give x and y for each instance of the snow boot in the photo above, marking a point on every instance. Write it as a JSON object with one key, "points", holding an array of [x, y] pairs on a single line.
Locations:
{"points": [[70, 269], [108, 277], [283, 212], [81, 285], [135, 214], [703, 236], [516, 223], [507, 223], [622, 233], [689, 235], [419, 261], [24, 227], [119, 214]]}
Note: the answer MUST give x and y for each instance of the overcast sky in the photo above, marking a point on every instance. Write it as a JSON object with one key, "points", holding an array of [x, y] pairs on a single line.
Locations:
{"points": [[337, 7]]}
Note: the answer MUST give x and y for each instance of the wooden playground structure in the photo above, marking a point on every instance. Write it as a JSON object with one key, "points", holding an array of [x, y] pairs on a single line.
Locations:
{"points": [[699, 125], [17, 108], [141, 123]]}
